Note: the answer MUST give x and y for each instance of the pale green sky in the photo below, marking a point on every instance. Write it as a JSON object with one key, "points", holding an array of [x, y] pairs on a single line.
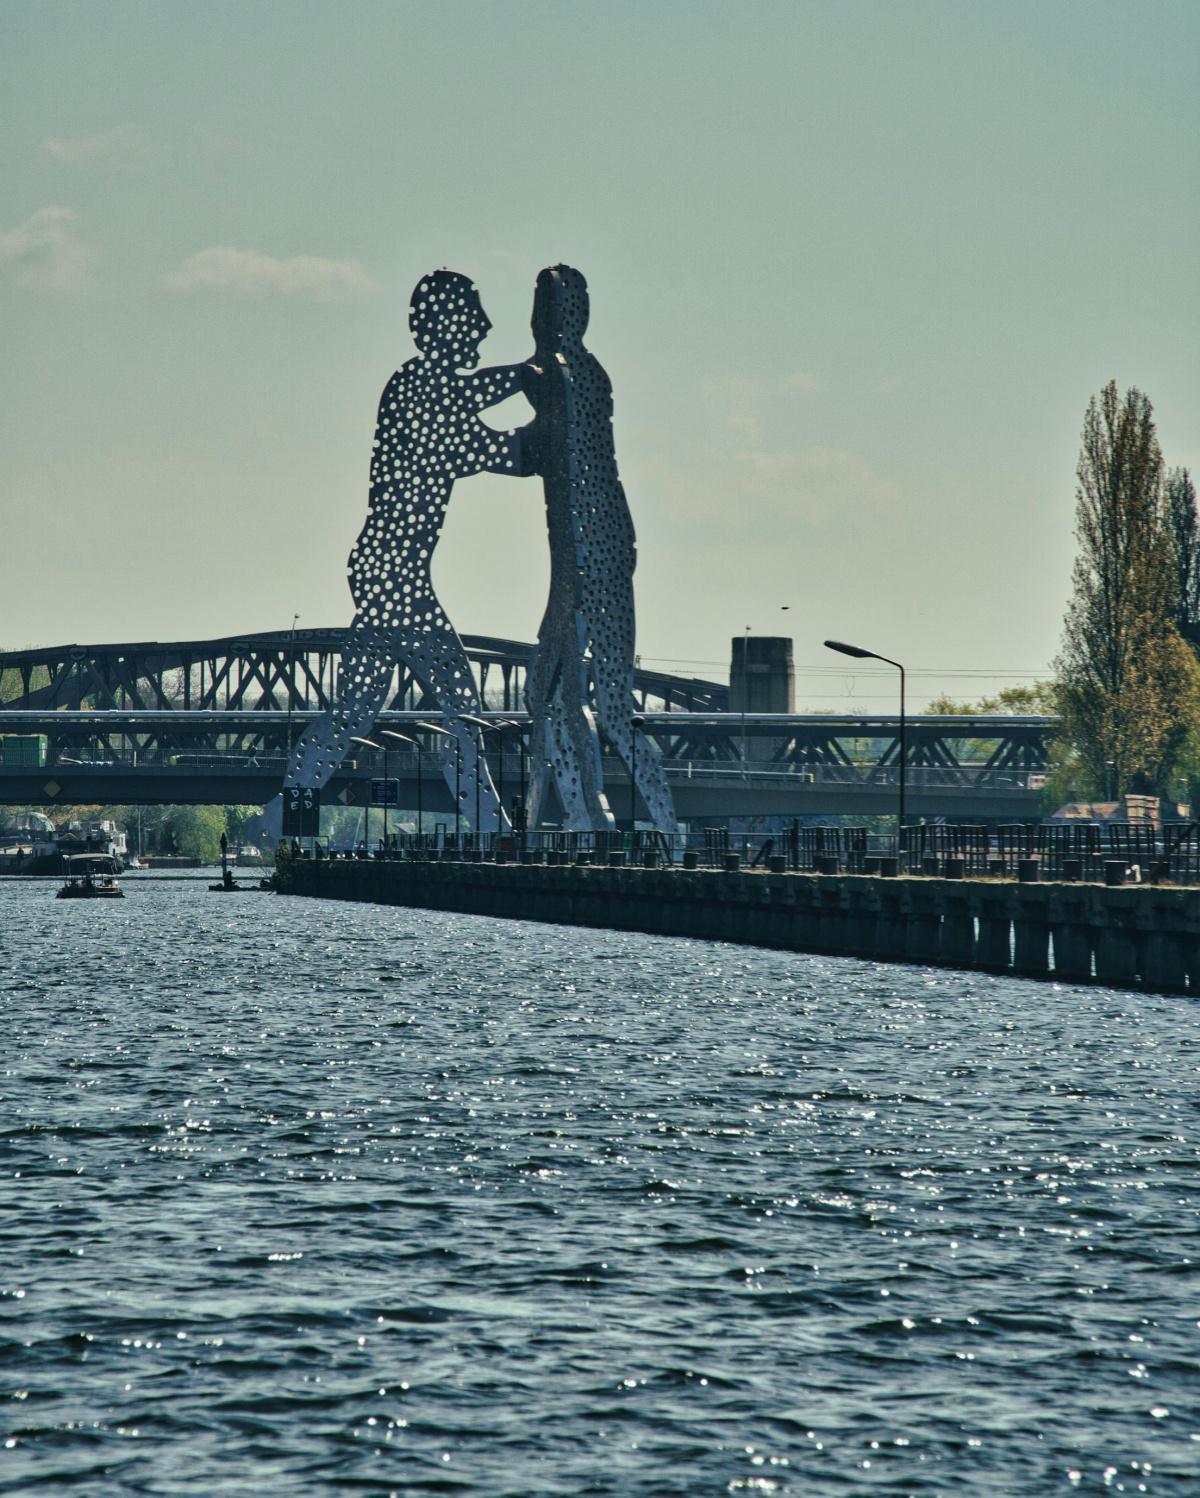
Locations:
{"points": [[855, 268]]}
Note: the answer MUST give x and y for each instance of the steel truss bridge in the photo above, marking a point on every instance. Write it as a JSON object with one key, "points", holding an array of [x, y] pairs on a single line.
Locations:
{"points": [[211, 721]]}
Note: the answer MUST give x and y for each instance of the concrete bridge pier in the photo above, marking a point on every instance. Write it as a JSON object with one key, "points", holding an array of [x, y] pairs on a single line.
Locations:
{"points": [[1072, 951], [834, 932], [958, 932], [924, 942], [1163, 960], [1117, 954], [891, 923], [1189, 944], [993, 948], [1031, 948]]}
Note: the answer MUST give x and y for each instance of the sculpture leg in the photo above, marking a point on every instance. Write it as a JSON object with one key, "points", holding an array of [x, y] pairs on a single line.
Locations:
{"points": [[366, 678], [615, 708], [441, 664], [563, 733], [537, 705]]}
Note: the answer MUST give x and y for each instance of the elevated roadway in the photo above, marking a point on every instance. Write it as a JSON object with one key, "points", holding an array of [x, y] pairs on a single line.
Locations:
{"points": [[718, 763]]}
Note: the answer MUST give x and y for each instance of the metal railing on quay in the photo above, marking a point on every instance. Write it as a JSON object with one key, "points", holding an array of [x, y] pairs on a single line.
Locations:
{"points": [[1105, 853]]}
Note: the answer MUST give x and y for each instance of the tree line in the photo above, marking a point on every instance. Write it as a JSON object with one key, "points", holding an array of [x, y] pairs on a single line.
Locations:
{"points": [[190, 831]]}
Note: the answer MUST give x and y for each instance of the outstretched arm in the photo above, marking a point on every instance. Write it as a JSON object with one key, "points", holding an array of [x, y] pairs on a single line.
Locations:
{"points": [[491, 386], [519, 449]]}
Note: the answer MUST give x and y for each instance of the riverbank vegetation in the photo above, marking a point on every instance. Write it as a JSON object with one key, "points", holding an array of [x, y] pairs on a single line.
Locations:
{"points": [[189, 831]]}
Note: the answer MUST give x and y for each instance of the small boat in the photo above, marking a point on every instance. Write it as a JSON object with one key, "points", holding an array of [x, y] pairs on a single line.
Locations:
{"points": [[89, 878], [229, 886]]}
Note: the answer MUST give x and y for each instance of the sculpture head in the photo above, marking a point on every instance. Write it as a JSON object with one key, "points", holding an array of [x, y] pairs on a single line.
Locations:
{"points": [[447, 320], [560, 305]]}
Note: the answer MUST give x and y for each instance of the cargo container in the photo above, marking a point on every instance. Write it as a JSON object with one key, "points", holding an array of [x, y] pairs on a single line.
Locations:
{"points": [[23, 751]]}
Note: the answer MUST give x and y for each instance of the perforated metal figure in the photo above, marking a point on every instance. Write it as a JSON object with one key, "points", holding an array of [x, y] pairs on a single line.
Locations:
{"points": [[582, 675], [428, 434]]}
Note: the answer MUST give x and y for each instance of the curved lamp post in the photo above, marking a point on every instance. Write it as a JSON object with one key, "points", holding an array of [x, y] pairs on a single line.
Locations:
{"points": [[872, 655], [403, 738], [446, 734], [480, 761], [496, 726], [379, 749], [484, 725], [636, 722], [522, 752]]}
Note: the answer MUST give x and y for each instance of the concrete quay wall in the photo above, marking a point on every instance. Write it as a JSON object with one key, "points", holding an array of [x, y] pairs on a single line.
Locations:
{"points": [[1127, 937]]}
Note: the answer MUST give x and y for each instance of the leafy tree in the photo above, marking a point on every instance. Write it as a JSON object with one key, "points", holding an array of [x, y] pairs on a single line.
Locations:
{"points": [[1129, 687], [196, 831], [236, 818], [11, 685], [1037, 700], [1183, 523]]}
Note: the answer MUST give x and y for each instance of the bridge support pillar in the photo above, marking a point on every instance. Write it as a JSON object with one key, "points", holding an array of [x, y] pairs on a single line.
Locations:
{"points": [[994, 945], [958, 931]]}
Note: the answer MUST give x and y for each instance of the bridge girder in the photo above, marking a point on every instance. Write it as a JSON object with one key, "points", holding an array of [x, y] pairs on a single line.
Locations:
{"points": [[272, 670]]}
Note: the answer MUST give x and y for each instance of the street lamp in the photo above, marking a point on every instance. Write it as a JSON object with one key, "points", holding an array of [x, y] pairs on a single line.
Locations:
{"points": [[496, 726], [379, 749], [522, 749], [403, 738], [499, 728], [871, 655], [446, 734], [636, 722], [745, 692], [480, 760]]}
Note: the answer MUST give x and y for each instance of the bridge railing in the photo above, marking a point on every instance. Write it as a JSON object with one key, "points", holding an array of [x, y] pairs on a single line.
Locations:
{"points": [[865, 773], [125, 754]]}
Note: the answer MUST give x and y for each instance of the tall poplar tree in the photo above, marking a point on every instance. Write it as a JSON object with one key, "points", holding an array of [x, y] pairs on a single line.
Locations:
{"points": [[1184, 526], [1129, 684]]}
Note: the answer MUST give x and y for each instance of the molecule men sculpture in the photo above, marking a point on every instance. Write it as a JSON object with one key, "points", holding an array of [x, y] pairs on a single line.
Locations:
{"points": [[429, 433]]}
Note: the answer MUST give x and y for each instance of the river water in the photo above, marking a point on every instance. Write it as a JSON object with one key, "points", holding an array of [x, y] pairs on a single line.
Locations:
{"points": [[300, 1198]]}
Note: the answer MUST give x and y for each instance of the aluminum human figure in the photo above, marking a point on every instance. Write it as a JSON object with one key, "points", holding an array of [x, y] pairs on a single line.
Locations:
{"points": [[429, 434], [581, 679]]}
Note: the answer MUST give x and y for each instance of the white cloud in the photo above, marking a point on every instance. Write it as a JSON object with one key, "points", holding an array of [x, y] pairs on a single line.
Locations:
{"points": [[804, 381], [824, 479], [756, 443], [223, 268], [125, 146], [44, 251]]}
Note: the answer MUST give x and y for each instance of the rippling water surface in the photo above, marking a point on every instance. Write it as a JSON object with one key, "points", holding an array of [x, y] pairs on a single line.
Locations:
{"points": [[301, 1198]]}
